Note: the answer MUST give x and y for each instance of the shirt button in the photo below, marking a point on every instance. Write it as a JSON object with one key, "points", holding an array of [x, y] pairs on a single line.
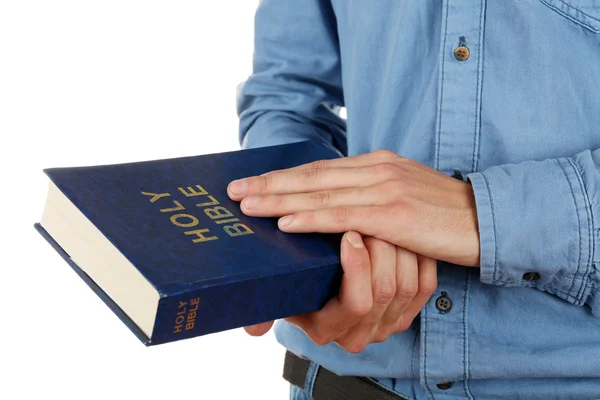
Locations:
{"points": [[531, 276], [443, 303], [444, 385], [462, 53]]}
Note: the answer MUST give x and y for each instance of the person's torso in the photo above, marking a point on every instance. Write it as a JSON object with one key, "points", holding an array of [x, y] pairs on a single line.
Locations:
{"points": [[528, 90]]}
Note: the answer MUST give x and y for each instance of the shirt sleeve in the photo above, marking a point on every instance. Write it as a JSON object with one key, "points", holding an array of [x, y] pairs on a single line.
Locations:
{"points": [[538, 225], [295, 90]]}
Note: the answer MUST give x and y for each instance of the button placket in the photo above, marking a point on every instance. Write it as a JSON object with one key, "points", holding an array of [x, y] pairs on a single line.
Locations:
{"points": [[444, 325], [460, 87]]}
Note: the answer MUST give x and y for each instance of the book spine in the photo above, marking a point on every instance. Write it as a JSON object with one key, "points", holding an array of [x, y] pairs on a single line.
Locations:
{"points": [[241, 303]]}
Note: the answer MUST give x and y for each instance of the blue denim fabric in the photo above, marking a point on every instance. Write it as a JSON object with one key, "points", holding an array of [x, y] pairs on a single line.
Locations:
{"points": [[520, 118], [305, 393], [298, 394]]}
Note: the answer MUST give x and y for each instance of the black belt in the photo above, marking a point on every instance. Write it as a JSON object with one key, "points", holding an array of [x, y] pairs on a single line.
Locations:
{"points": [[330, 386]]}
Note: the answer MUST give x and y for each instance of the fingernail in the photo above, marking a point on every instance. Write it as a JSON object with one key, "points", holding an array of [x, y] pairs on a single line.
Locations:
{"points": [[355, 240], [250, 202], [238, 187], [285, 221]]}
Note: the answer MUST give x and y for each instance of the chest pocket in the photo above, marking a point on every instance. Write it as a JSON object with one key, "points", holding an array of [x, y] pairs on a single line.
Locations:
{"points": [[583, 12]]}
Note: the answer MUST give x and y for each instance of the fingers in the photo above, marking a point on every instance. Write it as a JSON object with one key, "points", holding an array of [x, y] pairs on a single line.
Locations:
{"points": [[383, 277], [427, 285], [407, 278], [361, 160], [278, 205], [294, 181], [355, 290], [259, 329], [354, 301], [372, 306], [377, 221], [310, 180]]}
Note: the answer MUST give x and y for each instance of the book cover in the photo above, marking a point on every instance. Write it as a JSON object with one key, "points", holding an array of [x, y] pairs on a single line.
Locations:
{"points": [[165, 248]]}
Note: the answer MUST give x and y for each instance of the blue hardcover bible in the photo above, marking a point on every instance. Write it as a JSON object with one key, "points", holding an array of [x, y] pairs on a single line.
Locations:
{"points": [[161, 243]]}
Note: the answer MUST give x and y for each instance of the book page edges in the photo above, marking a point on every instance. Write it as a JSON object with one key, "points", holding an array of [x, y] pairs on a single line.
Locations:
{"points": [[100, 259]]}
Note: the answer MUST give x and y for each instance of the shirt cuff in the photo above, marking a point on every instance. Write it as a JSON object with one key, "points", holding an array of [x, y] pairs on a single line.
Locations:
{"points": [[535, 227], [274, 128]]}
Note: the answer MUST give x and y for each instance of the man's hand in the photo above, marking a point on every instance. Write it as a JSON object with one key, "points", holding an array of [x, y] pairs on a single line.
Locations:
{"points": [[378, 194], [383, 289]]}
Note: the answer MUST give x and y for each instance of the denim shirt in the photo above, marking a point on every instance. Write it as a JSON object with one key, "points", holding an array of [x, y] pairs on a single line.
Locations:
{"points": [[508, 93]]}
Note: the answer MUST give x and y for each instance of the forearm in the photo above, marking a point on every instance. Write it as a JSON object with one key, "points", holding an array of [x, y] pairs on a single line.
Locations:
{"points": [[295, 90]]}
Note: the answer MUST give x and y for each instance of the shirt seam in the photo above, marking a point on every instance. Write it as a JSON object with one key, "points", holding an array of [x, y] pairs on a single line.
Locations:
{"points": [[590, 217], [579, 10], [412, 357], [466, 343], [477, 128], [441, 96], [424, 335], [570, 291], [444, 32], [551, 290], [491, 197], [571, 13]]}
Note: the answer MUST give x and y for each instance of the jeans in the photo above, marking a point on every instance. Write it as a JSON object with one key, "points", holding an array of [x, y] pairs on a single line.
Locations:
{"points": [[298, 394]]}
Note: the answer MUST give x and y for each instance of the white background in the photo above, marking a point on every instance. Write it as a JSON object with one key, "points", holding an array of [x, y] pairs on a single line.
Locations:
{"points": [[95, 82]]}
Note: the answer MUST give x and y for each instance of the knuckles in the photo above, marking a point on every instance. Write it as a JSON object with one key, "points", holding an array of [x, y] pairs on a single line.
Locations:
{"points": [[383, 333], [387, 170], [354, 345], [340, 215], [384, 155], [402, 325], [320, 164], [402, 210], [393, 189], [428, 287], [310, 175], [407, 290], [320, 339], [265, 182], [360, 309], [321, 198], [384, 292]]}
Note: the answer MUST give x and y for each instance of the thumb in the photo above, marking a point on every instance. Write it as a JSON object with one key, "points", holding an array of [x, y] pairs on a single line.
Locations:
{"points": [[355, 292], [258, 329]]}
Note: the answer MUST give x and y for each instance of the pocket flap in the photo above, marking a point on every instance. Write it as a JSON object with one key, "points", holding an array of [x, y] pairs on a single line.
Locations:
{"points": [[583, 12]]}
